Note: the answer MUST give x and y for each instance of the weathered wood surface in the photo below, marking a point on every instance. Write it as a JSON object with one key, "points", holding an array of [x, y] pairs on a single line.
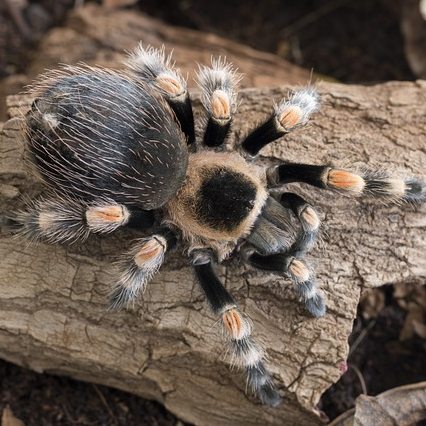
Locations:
{"points": [[100, 35], [52, 298]]}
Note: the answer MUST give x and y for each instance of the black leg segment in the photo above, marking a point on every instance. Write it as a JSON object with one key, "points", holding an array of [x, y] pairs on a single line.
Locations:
{"points": [[366, 182], [245, 351], [306, 173], [182, 107], [214, 290], [298, 272], [140, 219], [266, 133], [288, 115], [308, 219], [216, 132]]}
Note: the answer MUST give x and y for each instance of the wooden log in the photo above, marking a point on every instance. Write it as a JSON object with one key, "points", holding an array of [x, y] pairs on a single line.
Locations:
{"points": [[52, 298], [100, 36]]}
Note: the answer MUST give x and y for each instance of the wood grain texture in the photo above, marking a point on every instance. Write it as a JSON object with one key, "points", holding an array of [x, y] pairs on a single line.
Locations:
{"points": [[52, 298], [98, 35]]}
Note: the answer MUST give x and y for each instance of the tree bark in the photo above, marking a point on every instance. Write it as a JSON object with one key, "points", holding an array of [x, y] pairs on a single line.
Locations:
{"points": [[98, 35], [52, 298]]}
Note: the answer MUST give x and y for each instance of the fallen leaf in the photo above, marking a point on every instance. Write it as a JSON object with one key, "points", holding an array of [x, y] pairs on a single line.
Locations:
{"points": [[9, 419], [402, 406], [372, 303], [420, 329]]}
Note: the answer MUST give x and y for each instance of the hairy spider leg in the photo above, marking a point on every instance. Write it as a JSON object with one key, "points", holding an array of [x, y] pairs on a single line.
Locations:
{"points": [[158, 70], [373, 183], [378, 184], [268, 237], [273, 230], [139, 265], [219, 87], [287, 115], [289, 262], [308, 219], [300, 274], [58, 219], [245, 351]]}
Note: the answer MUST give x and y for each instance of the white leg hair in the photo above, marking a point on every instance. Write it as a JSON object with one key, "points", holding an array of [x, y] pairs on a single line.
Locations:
{"points": [[246, 353], [59, 219], [219, 86], [296, 110], [137, 267], [157, 69], [287, 115], [306, 287], [53, 219]]}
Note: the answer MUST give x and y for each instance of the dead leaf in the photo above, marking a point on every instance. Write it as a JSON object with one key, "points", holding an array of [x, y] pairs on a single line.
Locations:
{"points": [[402, 406], [372, 303], [9, 419], [420, 329], [414, 315]]}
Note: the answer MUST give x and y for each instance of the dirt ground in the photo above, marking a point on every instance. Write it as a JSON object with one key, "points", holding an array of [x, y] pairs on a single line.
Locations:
{"points": [[43, 400], [342, 40]]}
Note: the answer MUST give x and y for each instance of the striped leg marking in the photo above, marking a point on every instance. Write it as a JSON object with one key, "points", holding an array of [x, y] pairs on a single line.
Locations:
{"points": [[366, 183], [245, 352], [219, 84], [139, 265], [299, 273]]}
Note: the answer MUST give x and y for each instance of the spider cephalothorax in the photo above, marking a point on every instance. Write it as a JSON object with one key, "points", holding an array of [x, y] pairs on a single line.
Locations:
{"points": [[220, 199], [118, 149]]}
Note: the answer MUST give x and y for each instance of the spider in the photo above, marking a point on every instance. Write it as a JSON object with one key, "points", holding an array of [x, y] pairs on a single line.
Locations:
{"points": [[118, 148]]}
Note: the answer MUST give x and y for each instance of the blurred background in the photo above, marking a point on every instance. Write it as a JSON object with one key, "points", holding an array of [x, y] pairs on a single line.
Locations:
{"points": [[273, 42]]}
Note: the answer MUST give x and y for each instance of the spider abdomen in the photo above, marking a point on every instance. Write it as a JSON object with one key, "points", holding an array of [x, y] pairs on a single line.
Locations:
{"points": [[95, 133]]}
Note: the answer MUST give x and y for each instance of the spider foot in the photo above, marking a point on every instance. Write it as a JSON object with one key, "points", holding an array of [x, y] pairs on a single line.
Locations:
{"points": [[260, 381]]}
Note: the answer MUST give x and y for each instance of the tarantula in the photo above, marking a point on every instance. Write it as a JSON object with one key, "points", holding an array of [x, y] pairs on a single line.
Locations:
{"points": [[118, 148]]}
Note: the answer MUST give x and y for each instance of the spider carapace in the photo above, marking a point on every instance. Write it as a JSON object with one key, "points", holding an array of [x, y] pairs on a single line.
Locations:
{"points": [[118, 148]]}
